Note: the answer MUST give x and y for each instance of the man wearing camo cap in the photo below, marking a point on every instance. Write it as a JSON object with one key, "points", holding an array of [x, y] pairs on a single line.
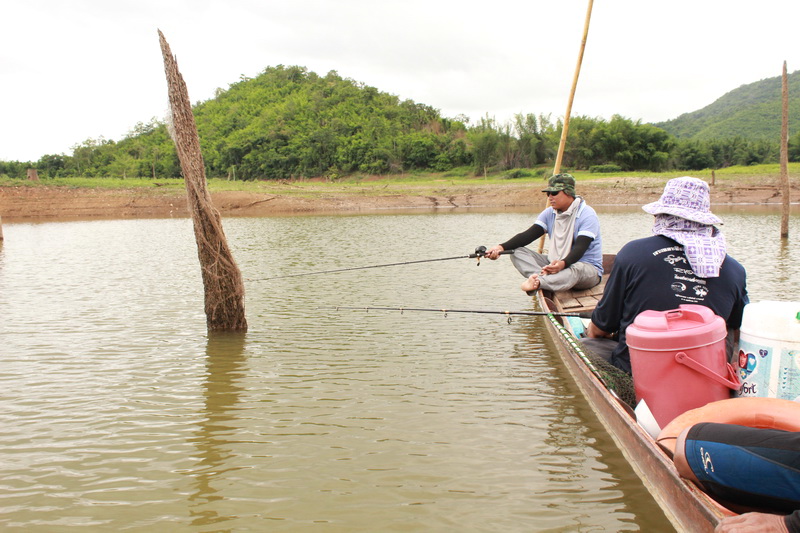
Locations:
{"points": [[575, 258]]}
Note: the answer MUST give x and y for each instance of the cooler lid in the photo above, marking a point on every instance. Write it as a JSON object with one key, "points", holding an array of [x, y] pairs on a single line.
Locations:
{"points": [[689, 325]]}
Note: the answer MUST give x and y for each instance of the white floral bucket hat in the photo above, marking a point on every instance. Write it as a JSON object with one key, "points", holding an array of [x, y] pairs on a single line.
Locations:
{"points": [[687, 198]]}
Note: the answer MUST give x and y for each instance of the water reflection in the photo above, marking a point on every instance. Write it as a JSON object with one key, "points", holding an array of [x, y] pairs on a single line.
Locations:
{"points": [[225, 366], [579, 448], [786, 264]]}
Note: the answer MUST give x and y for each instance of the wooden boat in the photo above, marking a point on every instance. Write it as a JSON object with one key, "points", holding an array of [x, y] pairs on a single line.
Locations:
{"points": [[687, 507]]}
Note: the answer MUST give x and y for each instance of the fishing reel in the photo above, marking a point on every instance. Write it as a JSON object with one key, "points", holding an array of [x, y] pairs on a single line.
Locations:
{"points": [[480, 251]]}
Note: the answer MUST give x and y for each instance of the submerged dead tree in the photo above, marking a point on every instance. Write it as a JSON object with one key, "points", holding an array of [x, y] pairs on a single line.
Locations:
{"points": [[224, 288], [785, 188]]}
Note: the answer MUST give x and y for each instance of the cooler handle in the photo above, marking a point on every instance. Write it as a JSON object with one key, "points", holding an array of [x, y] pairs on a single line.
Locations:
{"points": [[734, 384]]}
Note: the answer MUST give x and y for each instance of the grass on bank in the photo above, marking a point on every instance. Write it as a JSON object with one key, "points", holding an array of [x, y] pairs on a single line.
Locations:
{"points": [[416, 182]]}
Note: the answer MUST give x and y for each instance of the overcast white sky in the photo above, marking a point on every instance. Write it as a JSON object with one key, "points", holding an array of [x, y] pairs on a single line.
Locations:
{"points": [[78, 69]]}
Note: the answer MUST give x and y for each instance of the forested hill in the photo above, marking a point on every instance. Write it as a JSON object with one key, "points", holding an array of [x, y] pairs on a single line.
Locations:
{"points": [[288, 122], [752, 111]]}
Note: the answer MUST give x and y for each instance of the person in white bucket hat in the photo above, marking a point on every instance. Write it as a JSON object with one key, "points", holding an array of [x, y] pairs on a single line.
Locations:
{"points": [[683, 262], [683, 213]]}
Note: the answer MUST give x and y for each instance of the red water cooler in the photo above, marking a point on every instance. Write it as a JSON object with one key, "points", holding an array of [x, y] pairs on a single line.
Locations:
{"points": [[678, 360]]}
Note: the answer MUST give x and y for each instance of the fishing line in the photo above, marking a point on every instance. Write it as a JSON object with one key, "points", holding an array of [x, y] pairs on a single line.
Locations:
{"points": [[480, 252]]}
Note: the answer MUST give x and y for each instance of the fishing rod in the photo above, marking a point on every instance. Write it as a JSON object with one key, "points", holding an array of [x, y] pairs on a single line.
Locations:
{"points": [[509, 314], [480, 252]]}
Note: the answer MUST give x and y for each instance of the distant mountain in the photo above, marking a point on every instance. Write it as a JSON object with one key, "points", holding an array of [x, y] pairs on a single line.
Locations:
{"points": [[752, 111]]}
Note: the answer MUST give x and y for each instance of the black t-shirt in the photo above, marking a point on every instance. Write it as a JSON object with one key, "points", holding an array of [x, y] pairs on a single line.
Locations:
{"points": [[653, 273]]}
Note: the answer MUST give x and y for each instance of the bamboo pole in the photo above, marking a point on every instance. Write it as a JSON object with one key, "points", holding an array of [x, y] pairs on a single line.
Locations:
{"points": [[562, 143], [565, 128], [785, 154]]}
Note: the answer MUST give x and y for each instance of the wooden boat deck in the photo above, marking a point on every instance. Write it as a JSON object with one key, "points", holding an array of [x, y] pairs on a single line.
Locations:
{"points": [[581, 301], [584, 301]]}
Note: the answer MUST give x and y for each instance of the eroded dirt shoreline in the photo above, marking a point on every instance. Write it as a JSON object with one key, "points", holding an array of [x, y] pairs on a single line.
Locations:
{"points": [[41, 202]]}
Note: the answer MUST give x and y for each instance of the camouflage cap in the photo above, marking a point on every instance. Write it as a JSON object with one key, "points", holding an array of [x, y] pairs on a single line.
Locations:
{"points": [[561, 182]]}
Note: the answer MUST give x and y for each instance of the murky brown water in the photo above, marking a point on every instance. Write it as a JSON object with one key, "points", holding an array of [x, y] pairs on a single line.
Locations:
{"points": [[119, 412]]}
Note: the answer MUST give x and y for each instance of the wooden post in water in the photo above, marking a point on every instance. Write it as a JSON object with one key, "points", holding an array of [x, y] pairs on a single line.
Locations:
{"points": [[222, 280], [1, 229], [785, 155], [565, 128]]}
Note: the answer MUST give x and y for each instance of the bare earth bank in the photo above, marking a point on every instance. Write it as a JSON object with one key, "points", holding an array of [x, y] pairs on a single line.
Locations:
{"points": [[41, 202]]}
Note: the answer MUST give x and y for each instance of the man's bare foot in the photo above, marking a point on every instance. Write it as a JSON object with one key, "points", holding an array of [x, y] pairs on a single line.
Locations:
{"points": [[531, 284]]}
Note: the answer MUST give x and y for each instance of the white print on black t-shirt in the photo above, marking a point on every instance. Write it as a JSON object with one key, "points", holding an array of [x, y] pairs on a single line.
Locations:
{"points": [[700, 290], [671, 259], [670, 249], [694, 290], [697, 293]]}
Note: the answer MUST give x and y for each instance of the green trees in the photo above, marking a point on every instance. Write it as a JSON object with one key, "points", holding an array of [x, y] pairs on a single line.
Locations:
{"points": [[794, 147], [533, 141], [526, 142], [620, 142], [290, 123], [13, 169], [530, 131], [90, 158], [694, 155], [721, 153]]}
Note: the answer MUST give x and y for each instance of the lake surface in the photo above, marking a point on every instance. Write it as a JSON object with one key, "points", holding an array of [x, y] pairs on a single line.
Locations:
{"points": [[120, 413]]}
